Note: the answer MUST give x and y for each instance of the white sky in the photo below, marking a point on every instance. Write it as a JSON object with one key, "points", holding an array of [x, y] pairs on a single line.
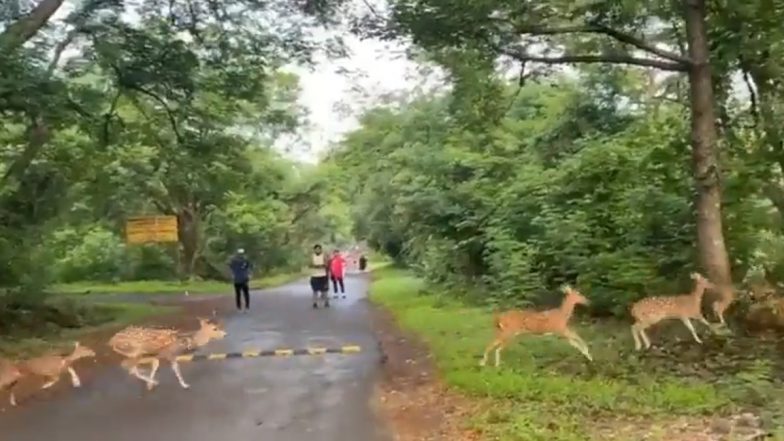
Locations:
{"points": [[335, 91]]}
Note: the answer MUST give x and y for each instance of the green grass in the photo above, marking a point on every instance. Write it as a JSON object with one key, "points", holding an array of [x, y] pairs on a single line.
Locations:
{"points": [[169, 287], [545, 390], [103, 316]]}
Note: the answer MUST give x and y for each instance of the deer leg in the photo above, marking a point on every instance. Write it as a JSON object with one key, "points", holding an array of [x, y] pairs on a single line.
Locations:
{"points": [[719, 311], [153, 370], [578, 343], [74, 378], [688, 324], [637, 342], [12, 399], [133, 369], [176, 368], [489, 348], [640, 337], [705, 322], [52, 382], [641, 330], [501, 344]]}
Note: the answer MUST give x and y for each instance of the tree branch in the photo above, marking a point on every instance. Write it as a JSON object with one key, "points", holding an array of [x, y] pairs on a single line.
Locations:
{"points": [[521, 55], [25, 28], [615, 34]]}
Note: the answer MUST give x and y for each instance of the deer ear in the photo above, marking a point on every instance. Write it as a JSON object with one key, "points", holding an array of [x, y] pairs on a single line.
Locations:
{"points": [[76, 345], [694, 276]]}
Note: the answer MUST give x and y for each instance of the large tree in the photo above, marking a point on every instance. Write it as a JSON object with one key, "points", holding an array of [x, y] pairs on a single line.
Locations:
{"points": [[669, 36]]}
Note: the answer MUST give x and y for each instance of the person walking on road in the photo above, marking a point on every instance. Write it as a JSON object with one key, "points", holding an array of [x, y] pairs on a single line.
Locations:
{"points": [[240, 270], [319, 281], [362, 262], [337, 266]]}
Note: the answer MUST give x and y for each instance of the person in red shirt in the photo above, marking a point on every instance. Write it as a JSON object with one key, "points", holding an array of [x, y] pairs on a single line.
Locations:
{"points": [[337, 266]]}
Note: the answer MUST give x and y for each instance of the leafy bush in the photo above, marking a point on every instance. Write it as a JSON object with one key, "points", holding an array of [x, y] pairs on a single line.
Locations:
{"points": [[93, 254], [567, 188]]}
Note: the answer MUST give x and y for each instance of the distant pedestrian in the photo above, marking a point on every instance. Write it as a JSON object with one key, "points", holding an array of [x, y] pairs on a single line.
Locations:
{"points": [[319, 281], [337, 267], [240, 270], [362, 262]]}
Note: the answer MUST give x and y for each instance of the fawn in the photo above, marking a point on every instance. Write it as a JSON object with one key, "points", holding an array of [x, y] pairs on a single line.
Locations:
{"points": [[148, 345], [50, 366], [651, 310], [555, 321]]}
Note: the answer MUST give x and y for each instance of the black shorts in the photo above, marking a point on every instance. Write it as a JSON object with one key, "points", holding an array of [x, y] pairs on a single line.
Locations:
{"points": [[319, 283]]}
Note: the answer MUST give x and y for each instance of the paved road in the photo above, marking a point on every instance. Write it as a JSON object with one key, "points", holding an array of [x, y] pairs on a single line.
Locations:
{"points": [[274, 398]]}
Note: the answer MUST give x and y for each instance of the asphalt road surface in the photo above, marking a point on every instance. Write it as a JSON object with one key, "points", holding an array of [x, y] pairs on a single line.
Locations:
{"points": [[321, 397]]}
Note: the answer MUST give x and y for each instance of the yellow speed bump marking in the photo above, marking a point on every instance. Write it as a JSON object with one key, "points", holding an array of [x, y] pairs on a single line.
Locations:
{"points": [[252, 353]]}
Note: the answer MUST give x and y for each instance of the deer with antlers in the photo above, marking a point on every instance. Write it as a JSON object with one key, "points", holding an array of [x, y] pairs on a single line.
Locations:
{"points": [[50, 367], [142, 346], [555, 321], [651, 310]]}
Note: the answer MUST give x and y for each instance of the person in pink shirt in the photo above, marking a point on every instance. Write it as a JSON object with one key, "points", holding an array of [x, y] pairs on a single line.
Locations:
{"points": [[337, 266]]}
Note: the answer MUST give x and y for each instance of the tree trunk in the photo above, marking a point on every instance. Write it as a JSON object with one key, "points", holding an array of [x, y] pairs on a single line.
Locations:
{"points": [[710, 236], [188, 220], [19, 32]]}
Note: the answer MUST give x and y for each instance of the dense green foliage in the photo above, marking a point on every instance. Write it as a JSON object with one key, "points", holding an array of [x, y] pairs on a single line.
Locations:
{"points": [[593, 177], [112, 109], [569, 186]]}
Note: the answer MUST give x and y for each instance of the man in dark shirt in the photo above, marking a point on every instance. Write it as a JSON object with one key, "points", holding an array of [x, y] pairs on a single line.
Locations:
{"points": [[240, 270]]}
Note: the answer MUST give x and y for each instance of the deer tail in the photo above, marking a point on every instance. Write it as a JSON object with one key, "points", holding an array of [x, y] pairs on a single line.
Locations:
{"points": [[497, 321]]}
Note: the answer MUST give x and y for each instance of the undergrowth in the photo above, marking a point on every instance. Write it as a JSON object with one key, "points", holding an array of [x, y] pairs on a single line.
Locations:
{"points": [[545, 390]]}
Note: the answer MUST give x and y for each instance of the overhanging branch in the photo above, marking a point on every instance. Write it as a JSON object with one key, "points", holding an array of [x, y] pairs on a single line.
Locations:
{"points": [[521, 55], [615, 34], [19, 32]]}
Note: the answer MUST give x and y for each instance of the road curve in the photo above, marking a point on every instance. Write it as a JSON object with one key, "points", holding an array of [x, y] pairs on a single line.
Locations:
{"points": [[300, 398]]}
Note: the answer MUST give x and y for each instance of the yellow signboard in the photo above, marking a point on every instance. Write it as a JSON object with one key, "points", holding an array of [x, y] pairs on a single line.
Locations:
{"points": [[144, 229]]}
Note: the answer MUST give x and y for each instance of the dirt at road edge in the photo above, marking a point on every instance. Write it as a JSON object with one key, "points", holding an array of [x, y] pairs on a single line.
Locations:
{"points": [[410, 397]]}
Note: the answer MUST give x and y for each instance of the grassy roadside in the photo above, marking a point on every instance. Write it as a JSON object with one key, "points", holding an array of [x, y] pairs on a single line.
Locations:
{"points": [[40, 334], [102, 316], [545, 390], [168, 286]]}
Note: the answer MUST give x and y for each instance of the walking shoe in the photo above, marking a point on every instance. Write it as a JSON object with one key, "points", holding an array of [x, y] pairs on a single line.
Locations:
{"points": [[326, 304], [315, 305]]}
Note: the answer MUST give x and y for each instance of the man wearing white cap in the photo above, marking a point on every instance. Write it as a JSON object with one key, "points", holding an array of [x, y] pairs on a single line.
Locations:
{"points": [[240, 270]]}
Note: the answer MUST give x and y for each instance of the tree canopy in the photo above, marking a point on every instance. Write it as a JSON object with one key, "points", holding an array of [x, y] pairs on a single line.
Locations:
{"points": [[112, 109], [617, 174]]}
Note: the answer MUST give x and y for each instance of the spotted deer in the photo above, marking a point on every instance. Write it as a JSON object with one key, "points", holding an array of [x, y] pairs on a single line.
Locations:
{"points": [[142, 346], [51, 367], [555, 321], [651, 310]]}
